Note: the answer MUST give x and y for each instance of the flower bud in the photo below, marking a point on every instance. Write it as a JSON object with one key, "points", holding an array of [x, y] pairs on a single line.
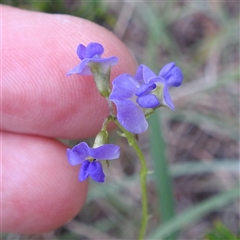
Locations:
{"points": [[101, 139], [102, 79]]}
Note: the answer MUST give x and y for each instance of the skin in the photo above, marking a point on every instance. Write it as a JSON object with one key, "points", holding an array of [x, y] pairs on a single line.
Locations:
{"points": [[40, 191]]}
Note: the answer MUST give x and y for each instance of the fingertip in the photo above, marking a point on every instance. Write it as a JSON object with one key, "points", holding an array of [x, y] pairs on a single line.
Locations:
{"points": [[38, 96], [41, 190]]}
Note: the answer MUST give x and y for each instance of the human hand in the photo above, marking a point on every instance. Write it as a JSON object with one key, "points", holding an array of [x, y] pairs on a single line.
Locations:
{"points": [[40, 190]]}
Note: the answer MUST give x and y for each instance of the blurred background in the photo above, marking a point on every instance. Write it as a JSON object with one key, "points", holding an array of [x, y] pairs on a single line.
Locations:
{"points": [[193, 192]]}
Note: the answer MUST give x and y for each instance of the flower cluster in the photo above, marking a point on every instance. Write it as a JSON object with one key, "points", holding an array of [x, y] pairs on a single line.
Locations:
{"points": [[135, 98], [135, 95]]}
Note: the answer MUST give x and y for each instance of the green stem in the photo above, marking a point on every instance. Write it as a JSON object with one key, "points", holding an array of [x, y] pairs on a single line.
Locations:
{"points": [[106, 122], [143, 177]]}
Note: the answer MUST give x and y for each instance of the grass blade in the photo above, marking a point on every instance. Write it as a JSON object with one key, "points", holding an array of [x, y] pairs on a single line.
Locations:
{"points": [[161, 170], [195, 213]]}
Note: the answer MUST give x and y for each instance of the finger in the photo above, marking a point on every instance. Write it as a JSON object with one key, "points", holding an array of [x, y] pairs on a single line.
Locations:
{"points": [[40, 189], [38, 50]]}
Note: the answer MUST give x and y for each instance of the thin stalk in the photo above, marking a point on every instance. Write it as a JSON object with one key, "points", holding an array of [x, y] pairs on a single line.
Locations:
{"points": [[106, 122], [110, 107], [143, 177]]}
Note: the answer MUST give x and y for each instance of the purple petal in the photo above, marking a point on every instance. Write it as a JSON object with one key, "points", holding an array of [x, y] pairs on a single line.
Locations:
{"points": [[84, 67], [148, 101], [166, 69], [75, 70], [145, 89], [167, 98], [124, 86], [84, 171], [131, 116], [78, 153], [82, 149], [74, 158], [172, 74], [157, 79], [95, 171], [104, 63], [93, 49], [105, 152], [81, 51], [176, 77], [144, 74]]}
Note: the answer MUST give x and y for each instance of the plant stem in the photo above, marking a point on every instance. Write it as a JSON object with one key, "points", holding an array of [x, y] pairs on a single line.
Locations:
{"points": [[106, 122], [143, 177], [110, 107]]}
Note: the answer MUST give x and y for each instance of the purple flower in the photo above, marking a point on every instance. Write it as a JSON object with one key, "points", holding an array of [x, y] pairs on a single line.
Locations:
{"points": [[91, 58], [137, 96], [90, 157]]}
